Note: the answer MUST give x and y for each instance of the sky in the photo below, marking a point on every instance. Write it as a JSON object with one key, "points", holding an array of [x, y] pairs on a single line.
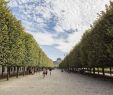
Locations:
{"points": [[57, 25]]}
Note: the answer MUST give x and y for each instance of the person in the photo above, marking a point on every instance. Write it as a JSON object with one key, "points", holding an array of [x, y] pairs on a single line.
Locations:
{"points": [[50, 71], [61, 70], [44, 72]]}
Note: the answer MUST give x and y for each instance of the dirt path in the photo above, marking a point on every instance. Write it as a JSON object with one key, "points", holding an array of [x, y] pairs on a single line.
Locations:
{"points": [[60, 83]]}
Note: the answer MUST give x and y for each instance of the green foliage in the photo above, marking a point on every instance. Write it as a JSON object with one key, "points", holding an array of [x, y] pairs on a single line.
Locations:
{"points": [[16, 46], [96, 46]]}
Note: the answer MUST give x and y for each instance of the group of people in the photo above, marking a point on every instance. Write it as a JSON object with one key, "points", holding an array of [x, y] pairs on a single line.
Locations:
{"points": [[45, 72]]}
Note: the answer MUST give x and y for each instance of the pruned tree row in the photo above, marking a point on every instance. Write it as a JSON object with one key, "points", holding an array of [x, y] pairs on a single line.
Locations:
{"points": [[18, 49], [95, 50]]}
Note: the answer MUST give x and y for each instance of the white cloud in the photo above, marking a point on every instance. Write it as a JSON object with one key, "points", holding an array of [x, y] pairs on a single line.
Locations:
{"points": [[67, 12], [43, 38], [58, 28], [73, 13], [72, 40], [70, 14], [48, 39]]}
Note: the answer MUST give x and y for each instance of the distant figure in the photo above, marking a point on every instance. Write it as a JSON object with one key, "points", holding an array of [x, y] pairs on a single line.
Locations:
{"points": [[50, 71], [44, 72]]}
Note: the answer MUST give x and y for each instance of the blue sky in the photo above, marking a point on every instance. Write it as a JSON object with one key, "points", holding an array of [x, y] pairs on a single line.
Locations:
{"points": [[57, 25]]}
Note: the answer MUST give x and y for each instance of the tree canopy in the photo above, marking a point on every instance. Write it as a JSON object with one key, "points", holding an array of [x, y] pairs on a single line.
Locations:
{"points": [[17, 47], [96, 46]]}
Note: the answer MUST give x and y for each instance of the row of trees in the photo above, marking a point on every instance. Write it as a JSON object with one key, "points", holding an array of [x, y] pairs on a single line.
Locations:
{"points": [[95, 50], [18, 48]]}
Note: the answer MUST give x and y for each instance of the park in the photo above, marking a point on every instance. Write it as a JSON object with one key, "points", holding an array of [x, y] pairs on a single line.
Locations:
{"points": [[34, 33]]}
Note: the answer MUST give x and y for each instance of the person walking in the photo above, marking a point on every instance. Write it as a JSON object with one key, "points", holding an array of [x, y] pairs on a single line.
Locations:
{"points": [[44, 73], [50, 71]]}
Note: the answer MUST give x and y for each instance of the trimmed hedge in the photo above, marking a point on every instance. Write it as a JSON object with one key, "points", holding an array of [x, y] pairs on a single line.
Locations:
{"points": [[16, 46], [96, 46]]}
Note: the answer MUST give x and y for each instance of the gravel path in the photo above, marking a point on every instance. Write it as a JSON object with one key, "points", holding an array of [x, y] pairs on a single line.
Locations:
{"points": [[60, 83]]}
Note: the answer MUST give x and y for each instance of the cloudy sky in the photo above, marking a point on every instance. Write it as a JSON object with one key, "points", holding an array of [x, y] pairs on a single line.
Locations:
{"points": [[57, 25]]}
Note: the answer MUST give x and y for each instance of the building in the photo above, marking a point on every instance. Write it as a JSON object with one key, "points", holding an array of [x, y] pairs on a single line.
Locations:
{"points": [[57, 62]]}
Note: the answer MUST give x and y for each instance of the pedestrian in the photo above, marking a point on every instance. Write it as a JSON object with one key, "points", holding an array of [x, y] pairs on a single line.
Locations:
{"points": [[50, 71], [62, 70], [44, 72]]}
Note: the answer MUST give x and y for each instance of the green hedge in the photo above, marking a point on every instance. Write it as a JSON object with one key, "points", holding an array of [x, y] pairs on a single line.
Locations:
{"points": [[96, 46], [16, 46]]}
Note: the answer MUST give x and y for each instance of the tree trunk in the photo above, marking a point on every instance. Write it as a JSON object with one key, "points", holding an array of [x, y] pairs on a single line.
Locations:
{"points": [[98, 70], [14, 69], [103, 71], [90, 70], [94, 70], [17, 72], [110, 70], [23, 71], [34, 69], [7, 72], [3, 70], [87, 69]]}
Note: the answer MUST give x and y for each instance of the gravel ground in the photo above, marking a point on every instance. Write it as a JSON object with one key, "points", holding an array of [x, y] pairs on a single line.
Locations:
{"points": [[60, 83]]}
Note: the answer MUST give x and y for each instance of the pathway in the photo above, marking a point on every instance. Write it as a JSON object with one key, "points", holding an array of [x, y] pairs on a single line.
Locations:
{"points": [[60, 83]]}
